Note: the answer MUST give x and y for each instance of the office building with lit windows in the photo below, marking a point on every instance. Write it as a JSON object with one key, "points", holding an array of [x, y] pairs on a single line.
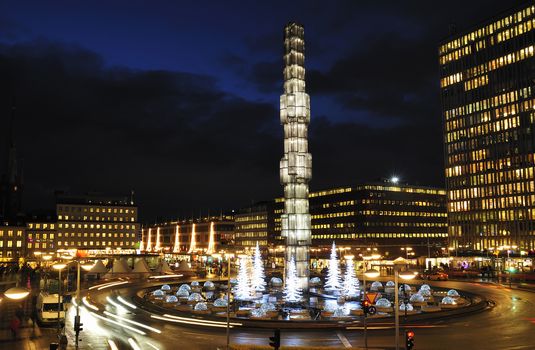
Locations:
{"points": [[41, 236], [12, 243], [390, 217], [488, 100], [254, 224], [94, 222], [205, 235]]}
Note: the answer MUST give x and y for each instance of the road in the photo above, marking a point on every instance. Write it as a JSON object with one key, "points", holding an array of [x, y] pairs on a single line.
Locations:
{"points": [[508, 325]]}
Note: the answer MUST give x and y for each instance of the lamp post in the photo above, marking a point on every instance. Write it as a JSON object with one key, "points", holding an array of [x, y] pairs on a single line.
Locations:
{"points": [[371, 274], [16, 293], [59, 267], [228, 256], [405, 275]]}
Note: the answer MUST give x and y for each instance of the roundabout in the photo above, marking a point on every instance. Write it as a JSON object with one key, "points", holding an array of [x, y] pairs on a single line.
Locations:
{"points": [[206, 331], [206, 300]]}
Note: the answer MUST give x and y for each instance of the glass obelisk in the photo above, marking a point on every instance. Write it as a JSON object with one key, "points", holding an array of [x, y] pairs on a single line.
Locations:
{"points": [[296, 164]]}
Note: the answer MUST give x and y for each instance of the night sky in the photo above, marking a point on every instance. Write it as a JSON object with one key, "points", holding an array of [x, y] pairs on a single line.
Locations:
{"points": [[179, 99]]}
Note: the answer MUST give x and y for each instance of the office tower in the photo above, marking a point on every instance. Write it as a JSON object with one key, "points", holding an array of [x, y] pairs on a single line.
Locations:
{"points": [[488, 99]]}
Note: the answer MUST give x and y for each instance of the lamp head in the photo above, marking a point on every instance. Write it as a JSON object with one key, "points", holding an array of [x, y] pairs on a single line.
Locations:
{"points": [[59, 266], [407, 275], [16, 293], [372, 273], [87, 266]]}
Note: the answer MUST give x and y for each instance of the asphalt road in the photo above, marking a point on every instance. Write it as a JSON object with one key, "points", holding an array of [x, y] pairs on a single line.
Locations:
{"points": [[510, 324]]}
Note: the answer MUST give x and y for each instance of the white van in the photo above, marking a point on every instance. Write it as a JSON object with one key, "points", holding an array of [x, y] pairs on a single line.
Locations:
{"points": [[47, 308]]}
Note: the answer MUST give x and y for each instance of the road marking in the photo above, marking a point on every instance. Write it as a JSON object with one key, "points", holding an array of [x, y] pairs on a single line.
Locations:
{"points": [[343, 339]]}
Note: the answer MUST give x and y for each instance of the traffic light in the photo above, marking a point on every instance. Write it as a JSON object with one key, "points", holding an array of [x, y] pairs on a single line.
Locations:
{"points": [[77, 324], [409, 340], [366, 307], [275, 340]]}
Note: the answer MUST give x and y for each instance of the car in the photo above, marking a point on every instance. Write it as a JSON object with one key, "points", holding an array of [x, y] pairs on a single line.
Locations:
{"points": [[435, 275]]}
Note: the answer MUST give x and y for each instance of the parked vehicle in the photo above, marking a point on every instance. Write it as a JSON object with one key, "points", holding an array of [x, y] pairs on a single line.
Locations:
{"points": [[47, 309], [435, 275]]}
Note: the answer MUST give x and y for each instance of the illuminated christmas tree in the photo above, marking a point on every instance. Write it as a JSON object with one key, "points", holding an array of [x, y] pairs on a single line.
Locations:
{"points": [[333, 275], [244, 288], [292, 292], [259, 282], [350, 286]]}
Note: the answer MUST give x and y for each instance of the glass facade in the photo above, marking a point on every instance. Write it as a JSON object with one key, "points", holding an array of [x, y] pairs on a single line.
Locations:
{"points": [[296, 164], [488, 99], [385, 216]]}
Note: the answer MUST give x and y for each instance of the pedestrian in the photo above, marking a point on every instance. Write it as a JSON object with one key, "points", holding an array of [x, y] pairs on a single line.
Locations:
{"points": [[14, 325]]}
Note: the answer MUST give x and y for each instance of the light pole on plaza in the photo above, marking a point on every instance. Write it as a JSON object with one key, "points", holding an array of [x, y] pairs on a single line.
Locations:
{"points": [[228, 256], [371, 273], [59, 267], [405, 275]]}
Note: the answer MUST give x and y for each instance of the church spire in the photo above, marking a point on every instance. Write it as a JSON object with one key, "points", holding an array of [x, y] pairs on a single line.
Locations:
{"points": [[11, 182]]}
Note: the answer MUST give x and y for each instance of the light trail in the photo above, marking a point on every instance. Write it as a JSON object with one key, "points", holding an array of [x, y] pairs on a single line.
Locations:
{"points": [[112, 285], [165, 276], [195, 322], [205, 321], [117, 305], [74, 302], [118, 323], [189, 322], [133, 344], [100, 285], [126, 303], [392, 326], [133, 322], [87, 304], [112, 344], [153, 346]]}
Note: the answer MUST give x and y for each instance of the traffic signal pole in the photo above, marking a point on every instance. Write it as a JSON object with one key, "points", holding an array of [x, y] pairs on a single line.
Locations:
{"points": [[77, 317], [275, 340], [409, 340]]}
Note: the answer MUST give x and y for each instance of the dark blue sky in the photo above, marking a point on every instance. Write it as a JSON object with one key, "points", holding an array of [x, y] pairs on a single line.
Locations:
{"points": [[179, 99]]}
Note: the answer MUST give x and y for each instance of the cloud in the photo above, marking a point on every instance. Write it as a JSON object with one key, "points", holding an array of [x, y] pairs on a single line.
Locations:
{"points": [[172, 136]]}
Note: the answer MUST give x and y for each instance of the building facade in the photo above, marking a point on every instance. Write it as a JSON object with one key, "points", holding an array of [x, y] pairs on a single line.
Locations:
{"points": [[12, 243], [255, 224], [388, 216], [93, 222], [41, 237], [488, 100], [198, 236]]}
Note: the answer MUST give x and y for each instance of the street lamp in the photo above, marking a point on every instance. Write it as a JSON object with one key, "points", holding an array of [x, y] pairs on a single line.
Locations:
{"points": [[59, 267], [371, 273], [405, 275], [228, 256], [16, 293]]}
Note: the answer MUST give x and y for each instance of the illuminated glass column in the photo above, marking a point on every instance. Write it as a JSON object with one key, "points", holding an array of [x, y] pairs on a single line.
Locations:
{"points": [[296, 164]]}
